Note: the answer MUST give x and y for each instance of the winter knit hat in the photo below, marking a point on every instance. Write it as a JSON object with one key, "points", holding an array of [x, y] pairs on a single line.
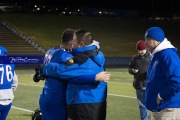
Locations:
{"points": [[140, 45], [155, 33]]}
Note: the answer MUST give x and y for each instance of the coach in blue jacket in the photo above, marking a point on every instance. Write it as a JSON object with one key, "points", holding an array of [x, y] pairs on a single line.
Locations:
{"points": [[85, 101], [163, 79]]}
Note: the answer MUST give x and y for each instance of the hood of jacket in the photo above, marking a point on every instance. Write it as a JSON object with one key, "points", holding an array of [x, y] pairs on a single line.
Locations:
{"points": [[165, 44]]}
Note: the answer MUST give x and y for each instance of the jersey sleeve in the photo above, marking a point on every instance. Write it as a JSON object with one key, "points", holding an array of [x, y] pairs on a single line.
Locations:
{"points": [[66, 57]]}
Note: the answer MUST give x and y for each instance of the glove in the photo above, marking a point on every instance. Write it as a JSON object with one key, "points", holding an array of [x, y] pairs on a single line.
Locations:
{"points": [[39, 69], [38, 74], [37, 77]]}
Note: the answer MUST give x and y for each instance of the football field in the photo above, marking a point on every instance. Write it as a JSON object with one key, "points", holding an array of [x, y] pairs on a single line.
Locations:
{"points": [[121, 100]]}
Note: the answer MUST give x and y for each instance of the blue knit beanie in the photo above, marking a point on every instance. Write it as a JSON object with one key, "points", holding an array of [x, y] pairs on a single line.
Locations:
{"points": [[155, 33]]}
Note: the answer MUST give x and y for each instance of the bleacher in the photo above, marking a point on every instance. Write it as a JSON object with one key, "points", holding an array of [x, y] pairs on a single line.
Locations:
{"points": [[17, 44]]}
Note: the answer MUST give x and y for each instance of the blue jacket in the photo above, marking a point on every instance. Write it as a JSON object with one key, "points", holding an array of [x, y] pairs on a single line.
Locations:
{"points": [[163, 78], [93, 92]]}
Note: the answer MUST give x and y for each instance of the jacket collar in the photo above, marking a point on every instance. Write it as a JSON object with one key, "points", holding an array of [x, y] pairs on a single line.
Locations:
{"points": [[165, 44]]}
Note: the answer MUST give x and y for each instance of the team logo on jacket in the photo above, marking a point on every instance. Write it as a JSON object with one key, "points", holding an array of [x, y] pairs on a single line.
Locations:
{"points": [[71, 61], [155, 64]]}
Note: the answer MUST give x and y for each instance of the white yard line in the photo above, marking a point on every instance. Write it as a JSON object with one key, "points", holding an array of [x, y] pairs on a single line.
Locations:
{"points": [[29, 85], [119, 83], [121, 96], [25, 75], [22, 109]]}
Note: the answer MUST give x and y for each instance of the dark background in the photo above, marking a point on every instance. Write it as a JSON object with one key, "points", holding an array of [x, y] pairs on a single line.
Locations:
{"points": [[147, 8], [159, 5]]}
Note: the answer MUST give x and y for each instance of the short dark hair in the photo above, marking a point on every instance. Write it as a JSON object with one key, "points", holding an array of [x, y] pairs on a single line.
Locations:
{"points": [[83, 35], [67, 36]]}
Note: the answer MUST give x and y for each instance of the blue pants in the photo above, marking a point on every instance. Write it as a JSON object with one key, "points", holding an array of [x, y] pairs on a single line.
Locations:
{"points": [[52, 111], [143, 110], [4, 110]]}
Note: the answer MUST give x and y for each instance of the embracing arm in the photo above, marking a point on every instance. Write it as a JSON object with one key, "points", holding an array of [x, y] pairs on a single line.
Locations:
{"points": [[62, 71], [93, 78], [74, 73]]}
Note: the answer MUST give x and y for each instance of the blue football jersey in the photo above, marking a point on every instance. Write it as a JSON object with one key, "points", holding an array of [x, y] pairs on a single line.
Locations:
{"points": [[6, 75], [54, 91], [58, 55]]}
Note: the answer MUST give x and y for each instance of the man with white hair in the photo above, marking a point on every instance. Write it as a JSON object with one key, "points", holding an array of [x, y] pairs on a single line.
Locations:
{"points": [[163, 77]]}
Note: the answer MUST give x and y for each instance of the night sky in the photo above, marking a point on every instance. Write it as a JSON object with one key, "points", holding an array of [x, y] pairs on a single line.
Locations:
{"points": [[147, 5]]}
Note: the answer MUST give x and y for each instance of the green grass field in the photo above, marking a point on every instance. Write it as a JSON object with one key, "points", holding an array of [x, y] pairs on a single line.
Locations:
{"points": [[121, 101]]}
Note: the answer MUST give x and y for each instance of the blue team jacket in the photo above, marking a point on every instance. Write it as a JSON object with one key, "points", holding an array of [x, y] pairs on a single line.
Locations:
{"points": [[163, 78], [93, 92]]}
